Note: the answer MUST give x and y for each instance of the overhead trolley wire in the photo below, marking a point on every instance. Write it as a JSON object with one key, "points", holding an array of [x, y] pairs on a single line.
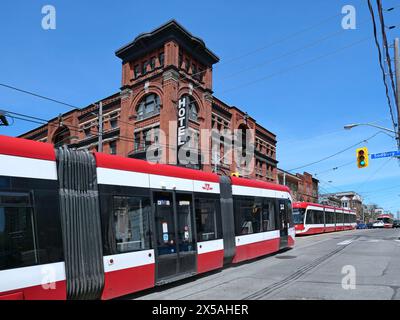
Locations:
{"points": [[335, 154], [371, 9]]}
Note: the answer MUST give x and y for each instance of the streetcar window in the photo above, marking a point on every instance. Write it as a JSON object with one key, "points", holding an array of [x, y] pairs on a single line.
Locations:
{"points": [[9, 198], [268, 215], [290, 212], [309, 217], [298, 215], [329, 217], [248, 213], [131, 219], [208, 213], [385, 220], [17, 233], [318, 217]]}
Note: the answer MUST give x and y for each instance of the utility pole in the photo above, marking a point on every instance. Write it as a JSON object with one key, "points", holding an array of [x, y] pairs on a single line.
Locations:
{"points": [[215, 161], [397, 93], [100, 119]]}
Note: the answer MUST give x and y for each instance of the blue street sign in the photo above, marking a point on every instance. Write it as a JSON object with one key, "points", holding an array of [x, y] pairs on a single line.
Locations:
{"points": [[385, 155]]}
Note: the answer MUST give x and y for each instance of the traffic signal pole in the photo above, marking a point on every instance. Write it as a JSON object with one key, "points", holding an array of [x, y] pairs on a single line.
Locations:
{"points": [[397, 93]]}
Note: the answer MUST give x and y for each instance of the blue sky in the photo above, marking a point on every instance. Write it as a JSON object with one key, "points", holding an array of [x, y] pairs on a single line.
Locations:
{"points": [[305, 104]]}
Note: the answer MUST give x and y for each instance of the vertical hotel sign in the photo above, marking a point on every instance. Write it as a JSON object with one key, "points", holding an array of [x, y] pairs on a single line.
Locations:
{"points": [[183, 124]]}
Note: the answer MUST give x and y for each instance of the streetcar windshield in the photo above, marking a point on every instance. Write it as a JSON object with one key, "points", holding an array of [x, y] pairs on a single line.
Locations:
{"points": [[385, 220], [298, 215]]}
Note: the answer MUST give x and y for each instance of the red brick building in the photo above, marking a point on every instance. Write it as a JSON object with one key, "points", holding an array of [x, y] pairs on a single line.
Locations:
{"points": [[158, 69], [304, 187]]}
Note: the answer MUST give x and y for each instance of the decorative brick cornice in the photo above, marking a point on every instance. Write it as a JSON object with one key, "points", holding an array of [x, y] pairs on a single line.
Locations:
{"points": [[171, 75], [125, 93]]}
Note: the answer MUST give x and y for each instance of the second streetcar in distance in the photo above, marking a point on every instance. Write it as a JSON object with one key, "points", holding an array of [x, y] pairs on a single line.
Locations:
{"points": [[312, 218]]}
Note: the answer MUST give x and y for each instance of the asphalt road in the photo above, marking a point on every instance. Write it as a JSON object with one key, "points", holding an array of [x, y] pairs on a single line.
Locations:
{"points": [[358, 264]]}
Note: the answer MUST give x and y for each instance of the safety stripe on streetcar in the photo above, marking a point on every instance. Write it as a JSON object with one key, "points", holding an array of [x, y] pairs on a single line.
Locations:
{"points": [[31, 276], [14, 166], [257, 237], [143, 180], [128, 260]]}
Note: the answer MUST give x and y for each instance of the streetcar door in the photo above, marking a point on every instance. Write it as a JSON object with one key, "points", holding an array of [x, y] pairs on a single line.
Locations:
{"points": [[283, 223], [174, 235], [186, 234]]}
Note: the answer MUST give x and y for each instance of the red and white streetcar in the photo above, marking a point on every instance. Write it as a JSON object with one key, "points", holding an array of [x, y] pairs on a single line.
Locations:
{"points": [[77, 225], [384, 221], [313, 218]]}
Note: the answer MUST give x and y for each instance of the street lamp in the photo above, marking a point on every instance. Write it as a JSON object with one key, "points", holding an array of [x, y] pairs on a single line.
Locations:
{"points": [[351, 126]]}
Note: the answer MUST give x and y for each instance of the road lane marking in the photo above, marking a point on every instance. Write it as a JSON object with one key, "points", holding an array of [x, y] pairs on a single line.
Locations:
{"points": [[345, 243]]}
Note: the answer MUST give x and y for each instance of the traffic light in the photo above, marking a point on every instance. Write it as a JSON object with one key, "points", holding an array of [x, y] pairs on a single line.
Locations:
{"points": [[362, 157]]}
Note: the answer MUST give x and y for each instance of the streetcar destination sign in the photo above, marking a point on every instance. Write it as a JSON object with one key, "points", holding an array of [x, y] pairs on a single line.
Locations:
{"points": [[385, 155]]}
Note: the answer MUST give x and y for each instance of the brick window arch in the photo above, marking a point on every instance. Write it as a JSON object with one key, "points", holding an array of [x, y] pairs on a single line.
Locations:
{"points": [[148, 106]]}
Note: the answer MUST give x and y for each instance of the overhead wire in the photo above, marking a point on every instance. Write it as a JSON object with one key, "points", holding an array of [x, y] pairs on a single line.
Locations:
{"points": [[371, 9], [335, 154]]}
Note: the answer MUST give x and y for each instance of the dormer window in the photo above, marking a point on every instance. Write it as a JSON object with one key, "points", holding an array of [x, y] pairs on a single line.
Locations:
{"points": [[180, 59], [144, 67], [136, 71], [187, 65], [199, 75], [153, 63], [194, 70], [161, 59]]}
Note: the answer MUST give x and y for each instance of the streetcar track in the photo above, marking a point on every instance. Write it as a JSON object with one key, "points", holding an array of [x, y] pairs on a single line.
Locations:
{"points": [[298, 274]]}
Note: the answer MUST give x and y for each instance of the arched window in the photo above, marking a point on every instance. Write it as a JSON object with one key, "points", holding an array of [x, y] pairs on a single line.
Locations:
{"points": [[193, 114], [193, 109], [148, 106]]}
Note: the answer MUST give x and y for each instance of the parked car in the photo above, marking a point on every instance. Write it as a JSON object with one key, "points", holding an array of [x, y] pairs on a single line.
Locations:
{"points": [[396, 224], [370, 225], [361, 225], [378, 224]]}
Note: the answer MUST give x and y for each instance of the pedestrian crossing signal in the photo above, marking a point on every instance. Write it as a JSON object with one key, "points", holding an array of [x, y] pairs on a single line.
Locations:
{"points": [[362, 157]]}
